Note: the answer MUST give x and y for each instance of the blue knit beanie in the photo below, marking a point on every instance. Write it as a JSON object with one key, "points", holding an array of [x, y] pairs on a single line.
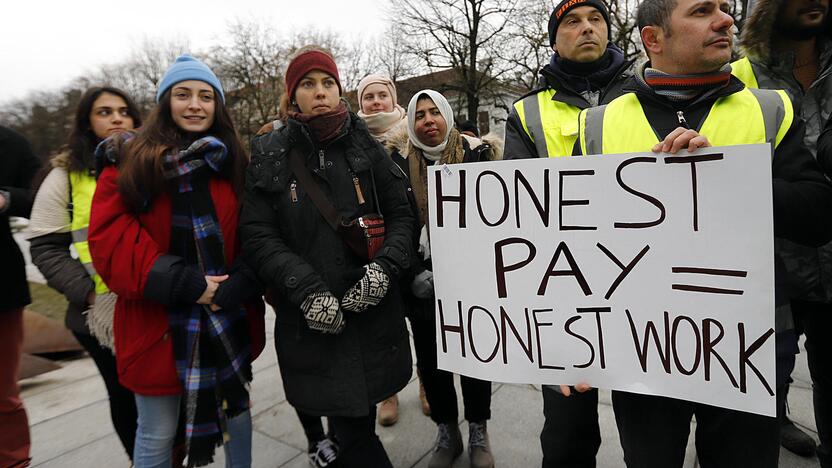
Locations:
{"points": [[188, 68]]}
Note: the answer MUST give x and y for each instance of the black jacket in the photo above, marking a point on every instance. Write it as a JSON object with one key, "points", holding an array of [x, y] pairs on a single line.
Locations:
{"points": [[295, 252], [518, 143], [18, 166]]}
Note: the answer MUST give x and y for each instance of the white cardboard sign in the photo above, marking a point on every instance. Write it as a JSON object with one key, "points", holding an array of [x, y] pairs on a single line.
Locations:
{"points": [[645, 273]]}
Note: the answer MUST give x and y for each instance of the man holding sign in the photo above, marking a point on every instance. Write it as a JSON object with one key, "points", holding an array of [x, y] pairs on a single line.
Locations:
{"points": [[686, 96], [585, 70]]}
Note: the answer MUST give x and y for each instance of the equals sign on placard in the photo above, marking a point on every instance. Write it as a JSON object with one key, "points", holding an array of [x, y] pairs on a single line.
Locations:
{"points": [[708, 272]]}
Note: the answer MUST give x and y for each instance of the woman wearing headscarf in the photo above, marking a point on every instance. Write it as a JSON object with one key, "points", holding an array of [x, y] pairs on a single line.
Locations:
{"points": [[163, 236], [432, 140], [387, 122], [314, 191]]}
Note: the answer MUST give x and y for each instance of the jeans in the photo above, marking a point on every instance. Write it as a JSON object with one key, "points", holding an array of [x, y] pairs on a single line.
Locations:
{"points": [[158, 421]]}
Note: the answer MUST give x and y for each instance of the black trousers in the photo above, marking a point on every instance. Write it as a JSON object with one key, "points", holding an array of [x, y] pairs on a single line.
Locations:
{"points": [[358, 444], [439, 384], [122, 401], [571, 435], [654, 433], [816, 321]]}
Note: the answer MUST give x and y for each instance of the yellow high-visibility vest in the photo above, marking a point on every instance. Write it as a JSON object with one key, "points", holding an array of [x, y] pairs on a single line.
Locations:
{"points": [[742, 69], [551, 125], [82, 186], [746, 117]]}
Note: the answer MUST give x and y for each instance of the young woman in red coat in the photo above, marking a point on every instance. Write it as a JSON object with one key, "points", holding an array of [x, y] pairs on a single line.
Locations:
{"points": [[163, 236]]}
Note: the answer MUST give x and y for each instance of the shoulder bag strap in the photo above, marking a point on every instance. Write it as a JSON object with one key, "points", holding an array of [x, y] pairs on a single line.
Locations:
{"points": [[313, 189]]}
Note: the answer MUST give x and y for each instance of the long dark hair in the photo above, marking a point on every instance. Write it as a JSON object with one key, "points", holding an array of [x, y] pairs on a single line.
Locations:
{"points": [[82, 140], [140, 167]]}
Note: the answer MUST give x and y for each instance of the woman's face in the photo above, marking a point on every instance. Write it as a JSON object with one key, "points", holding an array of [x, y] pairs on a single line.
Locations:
{"points": [[317, 93], [109, 115], [192, 105], [430, 127], [376, 99]]}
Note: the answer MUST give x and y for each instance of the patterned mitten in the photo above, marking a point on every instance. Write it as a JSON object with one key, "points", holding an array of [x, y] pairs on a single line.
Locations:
{"points": [[322, 313], [368, 291]]}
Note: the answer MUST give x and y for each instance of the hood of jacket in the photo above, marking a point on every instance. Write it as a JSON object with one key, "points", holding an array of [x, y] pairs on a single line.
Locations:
{"points": [[755, 40]]}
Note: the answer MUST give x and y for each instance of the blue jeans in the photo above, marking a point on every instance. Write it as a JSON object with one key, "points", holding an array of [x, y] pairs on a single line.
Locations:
{"points": [[158, 420]]}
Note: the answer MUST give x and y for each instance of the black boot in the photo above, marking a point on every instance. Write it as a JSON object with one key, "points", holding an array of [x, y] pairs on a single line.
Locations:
{"points": [[792, 438]]}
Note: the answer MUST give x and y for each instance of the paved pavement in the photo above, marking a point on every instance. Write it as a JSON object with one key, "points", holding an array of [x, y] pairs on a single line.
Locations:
{"points": [[69, 417]]}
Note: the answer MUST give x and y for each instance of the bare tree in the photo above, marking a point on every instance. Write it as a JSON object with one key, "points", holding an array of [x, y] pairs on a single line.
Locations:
{"points": [[250, 65], [624, 30], [457, 34], [391, 55], [527, 50]]}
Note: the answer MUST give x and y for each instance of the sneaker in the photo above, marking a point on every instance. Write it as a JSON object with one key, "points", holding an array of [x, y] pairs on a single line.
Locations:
{"points": [[795, 440], [479, 448], [448, 446], [388, 411], [323, 453]]}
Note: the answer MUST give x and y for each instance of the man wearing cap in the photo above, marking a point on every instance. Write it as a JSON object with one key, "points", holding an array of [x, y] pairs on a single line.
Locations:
{"points": [[585, 70]]}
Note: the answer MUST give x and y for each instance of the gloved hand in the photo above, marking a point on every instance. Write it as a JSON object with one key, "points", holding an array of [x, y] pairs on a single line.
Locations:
{"points": [[322, 313], [422, 285], [368, 291]]}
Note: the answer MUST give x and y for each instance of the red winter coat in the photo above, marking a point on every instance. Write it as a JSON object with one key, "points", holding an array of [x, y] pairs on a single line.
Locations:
{"points": [[124, 247]]}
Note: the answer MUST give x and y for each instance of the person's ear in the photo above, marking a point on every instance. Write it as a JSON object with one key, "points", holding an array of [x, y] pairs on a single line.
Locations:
{"points": [[652, 37]]}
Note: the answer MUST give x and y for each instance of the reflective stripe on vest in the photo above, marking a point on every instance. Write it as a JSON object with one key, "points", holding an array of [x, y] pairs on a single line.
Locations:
{"points": [[746, 117], [743, 70], [551, 125], [83, 188]]}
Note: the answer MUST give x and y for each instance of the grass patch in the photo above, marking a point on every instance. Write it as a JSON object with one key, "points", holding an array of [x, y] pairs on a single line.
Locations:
{"points": [[46, 301]]}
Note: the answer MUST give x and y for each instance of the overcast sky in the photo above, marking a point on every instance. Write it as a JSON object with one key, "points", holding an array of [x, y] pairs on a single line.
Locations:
{"points": [[44, 44]]}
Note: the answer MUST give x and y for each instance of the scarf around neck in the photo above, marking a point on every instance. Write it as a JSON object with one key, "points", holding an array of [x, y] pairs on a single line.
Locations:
{"points": [[453, 153], [211, 349], [592, 76], [324, 127], [681, 88], [381, 122]]}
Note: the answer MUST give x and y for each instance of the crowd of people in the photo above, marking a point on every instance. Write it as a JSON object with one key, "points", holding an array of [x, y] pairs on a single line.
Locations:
{"points": [[167, 239]]}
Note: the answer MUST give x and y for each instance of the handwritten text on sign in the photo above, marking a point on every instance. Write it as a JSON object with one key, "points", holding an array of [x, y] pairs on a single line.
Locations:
{"points": [[639, 272]]}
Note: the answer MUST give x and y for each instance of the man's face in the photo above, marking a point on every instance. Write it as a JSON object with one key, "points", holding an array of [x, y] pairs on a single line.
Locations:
{"points": [[582, 35], [801, 19], [698, 39]]}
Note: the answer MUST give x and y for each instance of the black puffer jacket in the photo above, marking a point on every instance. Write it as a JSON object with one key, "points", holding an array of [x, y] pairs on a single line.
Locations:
{"points": [[295, 253], [18, 166]]}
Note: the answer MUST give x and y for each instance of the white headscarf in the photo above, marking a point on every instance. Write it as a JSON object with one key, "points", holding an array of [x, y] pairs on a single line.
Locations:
{"points": [[433, 153]]}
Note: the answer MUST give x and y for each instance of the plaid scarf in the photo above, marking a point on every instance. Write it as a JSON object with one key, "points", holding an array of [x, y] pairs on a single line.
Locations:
{"points": [[681, 88], [211, 348]]}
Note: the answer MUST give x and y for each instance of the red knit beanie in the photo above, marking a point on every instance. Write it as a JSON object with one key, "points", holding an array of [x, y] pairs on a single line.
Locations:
{"points": [[305, 63]]}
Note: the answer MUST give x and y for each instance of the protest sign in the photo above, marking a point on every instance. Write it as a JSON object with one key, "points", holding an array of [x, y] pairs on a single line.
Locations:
{"points": [[648, 273]]}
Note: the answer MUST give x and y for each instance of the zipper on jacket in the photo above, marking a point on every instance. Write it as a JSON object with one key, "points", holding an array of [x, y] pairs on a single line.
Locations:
{"points": [[358, 193], [321, 160], [681, 116], [293, 191]]}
